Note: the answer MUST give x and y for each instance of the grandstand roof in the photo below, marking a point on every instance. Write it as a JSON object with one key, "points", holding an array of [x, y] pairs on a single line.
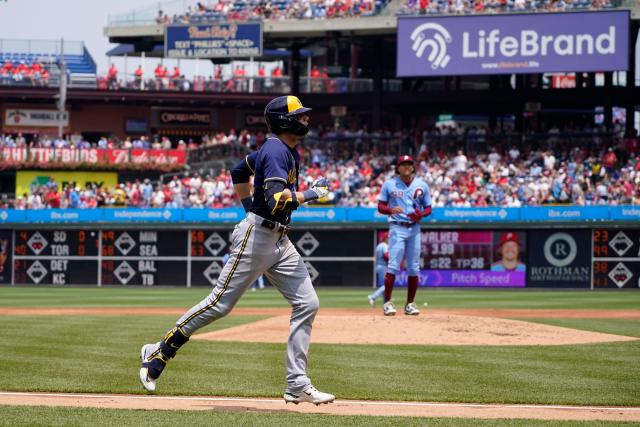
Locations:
{"points": [[289, 29]]}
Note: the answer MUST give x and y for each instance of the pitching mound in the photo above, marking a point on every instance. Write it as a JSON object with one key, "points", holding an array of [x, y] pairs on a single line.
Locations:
{"points": [[431, 329]]}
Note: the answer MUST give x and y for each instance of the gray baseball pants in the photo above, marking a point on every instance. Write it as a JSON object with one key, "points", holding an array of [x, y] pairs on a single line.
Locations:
{"points": [[257, 250]]}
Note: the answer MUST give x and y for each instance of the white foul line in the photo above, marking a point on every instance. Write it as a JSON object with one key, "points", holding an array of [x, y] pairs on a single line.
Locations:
{"points": [[357, 402]]}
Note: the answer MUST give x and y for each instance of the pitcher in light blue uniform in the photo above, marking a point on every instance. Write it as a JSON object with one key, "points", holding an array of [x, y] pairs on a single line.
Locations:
{"points": [[406, 200]]}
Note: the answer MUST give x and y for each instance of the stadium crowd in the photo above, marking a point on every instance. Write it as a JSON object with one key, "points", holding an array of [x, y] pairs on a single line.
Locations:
{"points": [[510, 176], [463, 7], [235, 10], [77, 141], [22, 72], [164, 79]]}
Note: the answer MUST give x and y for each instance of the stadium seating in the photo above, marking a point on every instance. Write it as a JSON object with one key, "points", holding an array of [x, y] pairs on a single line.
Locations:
{"points": [[77, 58], [276, 9], [600, 170], [414, 7]]}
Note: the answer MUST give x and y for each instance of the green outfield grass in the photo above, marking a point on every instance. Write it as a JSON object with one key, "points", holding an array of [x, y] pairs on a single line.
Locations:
{"points": [[100, 354], [37, 416], [23, 296], [627, 327]]}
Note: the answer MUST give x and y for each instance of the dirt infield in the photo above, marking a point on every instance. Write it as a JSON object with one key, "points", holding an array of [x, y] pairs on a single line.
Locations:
{"points": [[432, 329], [339, 407], [369, 326]]}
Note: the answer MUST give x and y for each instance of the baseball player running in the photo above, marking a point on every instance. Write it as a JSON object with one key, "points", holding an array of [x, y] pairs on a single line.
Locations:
{"points": [[406, 200], [259, 245]]}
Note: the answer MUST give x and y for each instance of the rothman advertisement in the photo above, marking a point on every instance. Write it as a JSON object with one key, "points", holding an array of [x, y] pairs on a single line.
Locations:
{"points": [[560, 259], [513, 44]]}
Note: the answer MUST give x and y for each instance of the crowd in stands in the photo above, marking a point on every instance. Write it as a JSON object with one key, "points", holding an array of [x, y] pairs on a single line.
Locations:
{"points": [[164, 79], [236, 10], [22, 72], [412, 7], [604, 172], [77, 141]]}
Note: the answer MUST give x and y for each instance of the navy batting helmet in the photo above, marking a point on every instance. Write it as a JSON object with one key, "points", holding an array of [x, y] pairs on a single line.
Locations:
{"points": [[280, 115]]}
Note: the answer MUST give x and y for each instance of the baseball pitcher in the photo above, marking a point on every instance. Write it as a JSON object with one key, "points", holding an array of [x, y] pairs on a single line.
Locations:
{"points": [[406, 200]]}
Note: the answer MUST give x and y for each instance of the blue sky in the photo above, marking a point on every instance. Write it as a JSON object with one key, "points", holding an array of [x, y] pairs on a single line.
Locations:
{"points": [[79, 20]]}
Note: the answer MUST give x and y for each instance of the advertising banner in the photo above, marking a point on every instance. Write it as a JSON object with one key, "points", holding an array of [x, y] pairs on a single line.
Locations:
{"points": [[559, 259], [513, 43], [218, 40], [35, 118], [27, 180], [469, 258], [93, 156], [564, 213]]}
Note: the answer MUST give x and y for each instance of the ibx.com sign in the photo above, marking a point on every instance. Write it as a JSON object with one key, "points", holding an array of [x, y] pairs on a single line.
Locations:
{"points": [[560, 259], [508, 44]]}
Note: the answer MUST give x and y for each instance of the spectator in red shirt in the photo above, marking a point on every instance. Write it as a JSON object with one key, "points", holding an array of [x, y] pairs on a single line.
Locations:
{"points": [[53, 198], [112, 77], [8, 66], [158, 71], [610, 160], [44, 78], [139, 73]]}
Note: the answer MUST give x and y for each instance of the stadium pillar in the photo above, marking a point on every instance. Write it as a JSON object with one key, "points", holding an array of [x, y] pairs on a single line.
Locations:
{"points": [[608, 107], [295, 69], [354, 61], [630, 108], [376, 110]]}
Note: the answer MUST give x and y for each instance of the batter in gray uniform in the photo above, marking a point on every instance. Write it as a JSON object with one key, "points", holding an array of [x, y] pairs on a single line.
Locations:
{"points": [[259, 245]]}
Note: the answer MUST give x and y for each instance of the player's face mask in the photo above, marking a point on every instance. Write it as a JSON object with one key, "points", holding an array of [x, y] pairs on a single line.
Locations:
{"points": [[299, 125]]}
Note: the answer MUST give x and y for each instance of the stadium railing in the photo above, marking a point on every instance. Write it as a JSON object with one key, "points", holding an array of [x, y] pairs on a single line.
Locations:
{"points": [[238, 84]]}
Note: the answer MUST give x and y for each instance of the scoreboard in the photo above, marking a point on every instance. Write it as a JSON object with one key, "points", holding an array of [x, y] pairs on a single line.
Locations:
{"points": [[464, 258], [616, 258], [570, 258], [143, 257], [58, 257], [146, 257], [459, 250]]}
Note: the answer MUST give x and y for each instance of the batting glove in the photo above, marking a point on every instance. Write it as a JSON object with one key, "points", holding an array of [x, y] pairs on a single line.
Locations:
{"points": [[318, 190]]}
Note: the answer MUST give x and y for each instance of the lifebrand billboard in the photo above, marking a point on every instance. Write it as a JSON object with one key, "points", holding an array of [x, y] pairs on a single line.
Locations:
{"points": [[515, 43]]}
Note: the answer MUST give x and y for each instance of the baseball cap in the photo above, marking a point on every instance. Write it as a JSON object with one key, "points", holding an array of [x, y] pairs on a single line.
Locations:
{"points": [[509, 237], [404, 159]]}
